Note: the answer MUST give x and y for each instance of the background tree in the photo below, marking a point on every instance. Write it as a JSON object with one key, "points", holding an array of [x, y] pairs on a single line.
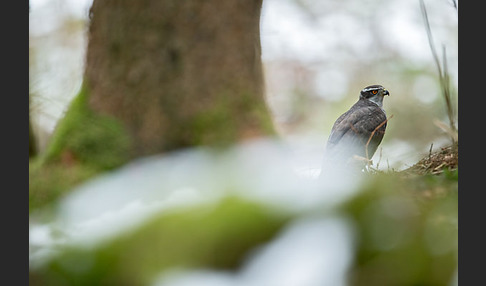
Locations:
{"points": [[159, 75], [162, 75], [32, 143]]}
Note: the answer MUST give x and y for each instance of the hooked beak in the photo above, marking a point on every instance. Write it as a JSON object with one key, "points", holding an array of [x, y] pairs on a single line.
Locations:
{"points": [[385, 92]]}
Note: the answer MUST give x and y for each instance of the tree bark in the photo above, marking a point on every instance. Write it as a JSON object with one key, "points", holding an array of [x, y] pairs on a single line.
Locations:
{"points": [[32, 142], [178, 73]]}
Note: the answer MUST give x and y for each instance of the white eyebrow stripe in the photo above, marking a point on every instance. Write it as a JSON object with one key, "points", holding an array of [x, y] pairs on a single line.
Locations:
{"points": [[372, 88]]}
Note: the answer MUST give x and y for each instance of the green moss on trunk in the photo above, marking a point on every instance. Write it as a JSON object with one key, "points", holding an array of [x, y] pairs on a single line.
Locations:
{"points": [[223, 123], [83, 144], [88, 138]]}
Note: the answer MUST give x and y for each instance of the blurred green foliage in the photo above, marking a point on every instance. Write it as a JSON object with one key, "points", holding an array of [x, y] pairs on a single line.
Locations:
{"points": [[406, 234], [407, 230], [213, 236]]}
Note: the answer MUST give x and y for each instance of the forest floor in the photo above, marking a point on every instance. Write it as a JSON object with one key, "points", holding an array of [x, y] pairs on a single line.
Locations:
{"points": [[412, 212], [447, 158]]}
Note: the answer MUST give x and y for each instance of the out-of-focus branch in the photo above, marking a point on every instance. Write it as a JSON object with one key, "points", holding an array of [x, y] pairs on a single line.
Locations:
{"points": [[441, 69], [455, 4]]}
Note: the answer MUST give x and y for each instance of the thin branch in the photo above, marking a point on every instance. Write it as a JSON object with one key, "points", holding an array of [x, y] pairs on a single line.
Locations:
{"points": [[455, 4], [430, 38], [447, 93], [372, 134]]}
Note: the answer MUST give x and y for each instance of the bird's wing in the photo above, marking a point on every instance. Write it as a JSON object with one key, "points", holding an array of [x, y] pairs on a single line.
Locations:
{"points": [[352, 130]]}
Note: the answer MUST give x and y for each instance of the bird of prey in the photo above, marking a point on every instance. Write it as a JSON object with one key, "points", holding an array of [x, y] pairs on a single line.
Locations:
{"points": [[358, 132]]}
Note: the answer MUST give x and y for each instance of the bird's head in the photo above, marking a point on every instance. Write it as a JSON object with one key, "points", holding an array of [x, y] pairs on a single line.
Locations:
{"points": [[374, 93]]}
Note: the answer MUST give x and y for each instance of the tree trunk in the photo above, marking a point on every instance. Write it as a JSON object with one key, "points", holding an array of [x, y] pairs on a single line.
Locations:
{"points": [[178, 73], [32, 143]]}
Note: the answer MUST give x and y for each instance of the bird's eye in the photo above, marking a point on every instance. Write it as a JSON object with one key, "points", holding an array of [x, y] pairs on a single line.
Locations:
{"points": [[374, 91]]}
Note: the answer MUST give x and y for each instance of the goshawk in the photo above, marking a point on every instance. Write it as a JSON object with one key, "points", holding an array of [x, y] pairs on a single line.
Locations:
{"points": [[357, 133]]}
